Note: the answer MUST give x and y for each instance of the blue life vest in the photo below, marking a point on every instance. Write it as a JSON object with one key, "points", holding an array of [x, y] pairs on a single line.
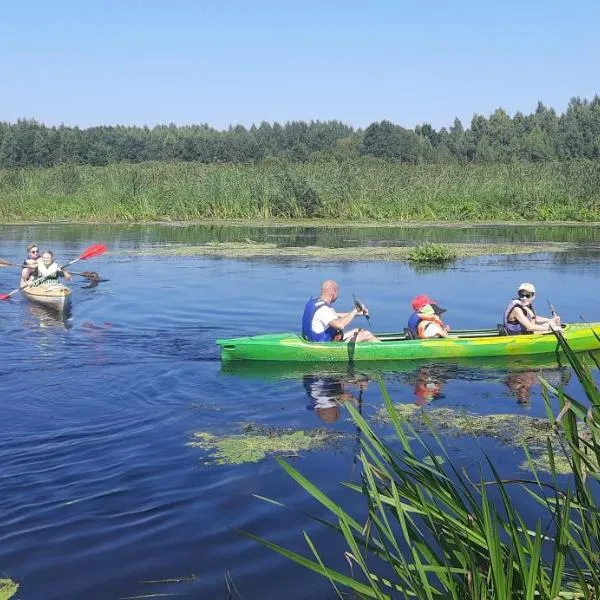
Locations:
{"points": [[413, 323], [517, 328], [307, 331]]}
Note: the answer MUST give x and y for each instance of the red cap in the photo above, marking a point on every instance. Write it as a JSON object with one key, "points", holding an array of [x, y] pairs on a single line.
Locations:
{"points": [[419, 302]]}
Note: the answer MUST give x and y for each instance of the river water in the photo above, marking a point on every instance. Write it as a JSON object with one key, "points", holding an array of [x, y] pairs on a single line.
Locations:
{"points": [[102, 495]]}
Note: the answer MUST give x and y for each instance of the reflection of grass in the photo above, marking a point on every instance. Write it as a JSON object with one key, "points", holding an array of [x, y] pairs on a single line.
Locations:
{"points": [[256, 442], [251, 249], [511, 429], [8, 589]]}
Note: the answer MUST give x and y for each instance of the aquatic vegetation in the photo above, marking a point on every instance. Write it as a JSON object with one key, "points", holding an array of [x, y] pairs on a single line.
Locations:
{"points": [[433, 531], [255, 443], [353, 190], [514, 430], [430, 252], [251, 249], [8, 588]]}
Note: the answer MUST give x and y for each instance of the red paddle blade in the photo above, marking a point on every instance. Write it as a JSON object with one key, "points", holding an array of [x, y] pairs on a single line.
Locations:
{"points": [[93, 250], [4, 296]]}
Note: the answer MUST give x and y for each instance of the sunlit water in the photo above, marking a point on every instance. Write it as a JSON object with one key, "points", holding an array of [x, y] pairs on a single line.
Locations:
{"points": [[101, 495]]}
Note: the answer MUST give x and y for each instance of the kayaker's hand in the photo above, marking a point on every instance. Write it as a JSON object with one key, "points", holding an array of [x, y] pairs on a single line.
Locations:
{"points": [[556, 319]]}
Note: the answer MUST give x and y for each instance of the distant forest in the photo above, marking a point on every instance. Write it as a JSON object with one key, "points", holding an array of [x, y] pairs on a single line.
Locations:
{"points": [[541, 136]]}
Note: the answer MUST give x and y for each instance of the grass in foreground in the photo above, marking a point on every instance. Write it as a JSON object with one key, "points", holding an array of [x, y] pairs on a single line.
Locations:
{"points": [[431, 532]]}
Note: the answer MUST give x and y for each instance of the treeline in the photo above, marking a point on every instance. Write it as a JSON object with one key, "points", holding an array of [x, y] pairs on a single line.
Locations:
{"points": [[538, 137]]}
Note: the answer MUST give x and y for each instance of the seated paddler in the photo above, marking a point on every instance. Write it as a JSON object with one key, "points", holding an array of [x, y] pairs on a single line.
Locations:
{"points": [[425, 321], [49, 269], [520, 316], [321, 323], [29, 264]]}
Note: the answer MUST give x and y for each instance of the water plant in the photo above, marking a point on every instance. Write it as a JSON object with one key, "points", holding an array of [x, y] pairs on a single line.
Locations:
{"points": [[8, 588], [256, 442], [432, 253], [352, 190], [432, 531]]}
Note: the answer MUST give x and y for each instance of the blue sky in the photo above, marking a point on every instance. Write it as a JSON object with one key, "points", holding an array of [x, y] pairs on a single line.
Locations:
{"points": [[135, 62]]}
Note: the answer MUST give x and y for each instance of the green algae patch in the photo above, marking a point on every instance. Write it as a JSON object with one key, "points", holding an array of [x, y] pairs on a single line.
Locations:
{"points": [[8, 588], [255, 443], [252, 249], [510, 429]]}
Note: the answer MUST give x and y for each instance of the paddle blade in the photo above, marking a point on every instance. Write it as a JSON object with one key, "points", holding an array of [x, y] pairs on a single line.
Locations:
{"points": [[93, 250], [4, 296]]}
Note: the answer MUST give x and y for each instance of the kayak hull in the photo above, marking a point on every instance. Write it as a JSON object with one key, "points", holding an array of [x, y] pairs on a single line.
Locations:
{"points": [[290, 347], [54, 296]]}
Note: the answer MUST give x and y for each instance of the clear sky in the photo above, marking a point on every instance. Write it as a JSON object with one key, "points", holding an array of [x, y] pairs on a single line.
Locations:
{"points": [[224, 62]]}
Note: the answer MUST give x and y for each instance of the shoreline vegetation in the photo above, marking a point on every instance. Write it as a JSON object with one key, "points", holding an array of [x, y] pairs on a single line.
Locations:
{"points": [[329, 191]]}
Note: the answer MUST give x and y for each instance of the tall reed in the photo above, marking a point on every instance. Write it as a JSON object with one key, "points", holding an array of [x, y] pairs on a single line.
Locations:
{"points": [[431, 532], [350, 190]]}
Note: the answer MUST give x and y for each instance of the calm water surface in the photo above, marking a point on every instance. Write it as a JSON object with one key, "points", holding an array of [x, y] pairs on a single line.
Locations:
{"points": [[102, 496]]}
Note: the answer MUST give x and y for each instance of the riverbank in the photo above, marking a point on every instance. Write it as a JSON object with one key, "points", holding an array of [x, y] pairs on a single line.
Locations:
{"points": [[332, 191]]}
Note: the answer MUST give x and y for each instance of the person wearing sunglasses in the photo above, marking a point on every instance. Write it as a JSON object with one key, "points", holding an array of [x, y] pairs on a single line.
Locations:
{"points": [[29, 264], [520, 316]]}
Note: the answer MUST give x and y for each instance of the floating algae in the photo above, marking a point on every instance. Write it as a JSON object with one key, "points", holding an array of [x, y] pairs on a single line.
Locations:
{"points": [[8, 588], [510, 429], [256, 442], [252, 249]]}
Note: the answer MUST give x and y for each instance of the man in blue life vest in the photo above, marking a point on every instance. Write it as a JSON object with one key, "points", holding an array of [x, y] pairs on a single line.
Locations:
{"points": [[520, 316], [426, 322], [321, 323]]}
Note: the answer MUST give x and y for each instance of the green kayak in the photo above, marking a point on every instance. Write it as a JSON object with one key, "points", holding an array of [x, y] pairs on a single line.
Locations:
{"points": [[291, 347]]}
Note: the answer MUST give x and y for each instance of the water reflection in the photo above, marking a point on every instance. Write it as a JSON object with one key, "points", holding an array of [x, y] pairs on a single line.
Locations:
{"points": [[328, 386], [134, 235], [39, 317], [327, 392]]}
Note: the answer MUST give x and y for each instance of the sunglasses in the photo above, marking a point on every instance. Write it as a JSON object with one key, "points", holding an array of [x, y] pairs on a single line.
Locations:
{"points": [[34, 252], [526, 295]]}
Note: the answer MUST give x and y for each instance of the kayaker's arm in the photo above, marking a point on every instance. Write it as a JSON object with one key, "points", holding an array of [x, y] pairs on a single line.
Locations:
{"points": [[547, 320], [540, 324], [344, 319]]}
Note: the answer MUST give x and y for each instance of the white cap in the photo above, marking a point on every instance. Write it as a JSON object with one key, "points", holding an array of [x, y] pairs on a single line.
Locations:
{"points": [[527, 287]]}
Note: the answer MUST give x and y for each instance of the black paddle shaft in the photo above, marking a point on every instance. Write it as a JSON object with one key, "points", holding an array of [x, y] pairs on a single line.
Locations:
{"points": [[360, 307]]}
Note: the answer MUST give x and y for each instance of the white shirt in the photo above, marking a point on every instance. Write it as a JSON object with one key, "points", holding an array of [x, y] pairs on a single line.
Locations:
{"points": [[433, 330], [322, 317]]}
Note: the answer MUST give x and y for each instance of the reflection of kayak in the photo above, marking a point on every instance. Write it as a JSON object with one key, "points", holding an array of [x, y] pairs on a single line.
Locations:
{"points": [[488, 369], [468, 343], [50, 295]]}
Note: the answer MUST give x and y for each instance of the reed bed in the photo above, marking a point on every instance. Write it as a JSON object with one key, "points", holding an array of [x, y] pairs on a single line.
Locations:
{"points": [[432, 532], [363, 189]]}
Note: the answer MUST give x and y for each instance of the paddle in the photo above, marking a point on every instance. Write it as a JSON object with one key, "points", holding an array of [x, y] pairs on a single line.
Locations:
{"points": [[359, 306], [92, 275], [90, 252], [554, 315]]}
